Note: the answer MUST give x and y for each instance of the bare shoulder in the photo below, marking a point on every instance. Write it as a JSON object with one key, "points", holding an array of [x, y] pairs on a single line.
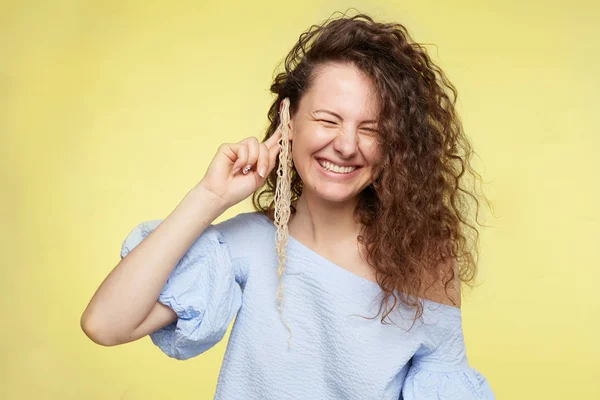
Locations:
{"points": [[436, 289]]}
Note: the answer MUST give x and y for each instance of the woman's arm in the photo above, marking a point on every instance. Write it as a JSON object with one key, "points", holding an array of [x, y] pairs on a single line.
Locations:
{"points": [[125, 307]]}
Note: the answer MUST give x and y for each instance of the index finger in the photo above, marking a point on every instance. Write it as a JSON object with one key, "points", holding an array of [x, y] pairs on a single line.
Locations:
{"points": [[274, 138]]}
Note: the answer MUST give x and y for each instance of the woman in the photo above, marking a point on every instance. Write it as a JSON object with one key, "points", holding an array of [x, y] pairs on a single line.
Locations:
{"points": [[366, 189]]}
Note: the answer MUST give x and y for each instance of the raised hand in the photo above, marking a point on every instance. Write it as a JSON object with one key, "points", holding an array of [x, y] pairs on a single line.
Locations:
{"points": [[239, 169]]}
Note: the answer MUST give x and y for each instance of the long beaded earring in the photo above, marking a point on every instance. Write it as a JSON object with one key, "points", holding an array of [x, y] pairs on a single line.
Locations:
{"points": [[283, 197]]}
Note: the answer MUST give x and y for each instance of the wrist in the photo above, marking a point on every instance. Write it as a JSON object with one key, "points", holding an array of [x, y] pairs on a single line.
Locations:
{"points": [[207, 196]]}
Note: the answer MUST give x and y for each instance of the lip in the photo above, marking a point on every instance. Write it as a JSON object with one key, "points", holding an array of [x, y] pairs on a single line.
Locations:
{"points": [[336, 175], [325, 159]]}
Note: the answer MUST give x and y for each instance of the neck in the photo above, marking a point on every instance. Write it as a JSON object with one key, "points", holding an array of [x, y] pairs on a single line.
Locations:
{"points": [[323, 223]]}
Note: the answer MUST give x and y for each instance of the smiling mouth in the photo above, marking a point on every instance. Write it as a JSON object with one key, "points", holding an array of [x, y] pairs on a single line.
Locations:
{"points": [[330, 167]]}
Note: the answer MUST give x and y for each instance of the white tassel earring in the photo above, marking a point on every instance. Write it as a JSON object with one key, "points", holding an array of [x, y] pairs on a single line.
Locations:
{"points": [[283, 197]]}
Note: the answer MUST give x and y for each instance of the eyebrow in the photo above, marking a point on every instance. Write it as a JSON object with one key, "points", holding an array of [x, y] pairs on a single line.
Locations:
{"points": [[338, 116]]}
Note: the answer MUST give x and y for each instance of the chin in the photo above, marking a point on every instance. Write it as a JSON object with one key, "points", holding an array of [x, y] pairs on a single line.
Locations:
{"points": [[336, 196]]}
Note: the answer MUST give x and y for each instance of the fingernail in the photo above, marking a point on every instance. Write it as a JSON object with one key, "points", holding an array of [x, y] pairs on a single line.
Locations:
{"points": [[261, 171], [245, 171], [235, 171]]}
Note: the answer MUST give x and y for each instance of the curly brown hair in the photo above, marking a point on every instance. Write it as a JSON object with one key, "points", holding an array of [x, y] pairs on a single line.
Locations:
{"points": [[415, 215]]}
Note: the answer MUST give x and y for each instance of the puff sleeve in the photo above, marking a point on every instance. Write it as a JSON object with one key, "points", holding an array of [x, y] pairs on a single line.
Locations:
{"points": [[442, 372], [202, 290]]}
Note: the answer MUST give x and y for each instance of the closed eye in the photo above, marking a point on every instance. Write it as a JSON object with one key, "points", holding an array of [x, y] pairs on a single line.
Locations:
{"points": [[373, 131], [329, 122]]}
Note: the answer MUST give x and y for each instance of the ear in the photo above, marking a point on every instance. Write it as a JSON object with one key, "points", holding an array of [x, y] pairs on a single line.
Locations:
{"points": [[291, 130]]}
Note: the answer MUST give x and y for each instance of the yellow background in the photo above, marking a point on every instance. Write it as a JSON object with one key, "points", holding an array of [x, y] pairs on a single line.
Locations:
{"points": [[110, 111]]}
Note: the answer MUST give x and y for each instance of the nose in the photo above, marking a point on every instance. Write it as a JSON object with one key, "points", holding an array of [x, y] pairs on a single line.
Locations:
{"points": [[346, 142]]}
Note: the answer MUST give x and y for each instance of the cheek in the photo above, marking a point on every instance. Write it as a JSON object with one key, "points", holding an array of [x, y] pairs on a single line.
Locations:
{"points": [[311, 138], [372, 152]]}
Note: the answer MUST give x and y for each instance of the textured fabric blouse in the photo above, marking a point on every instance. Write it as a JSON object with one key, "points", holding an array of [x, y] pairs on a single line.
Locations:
{"points": [[335, 351]]}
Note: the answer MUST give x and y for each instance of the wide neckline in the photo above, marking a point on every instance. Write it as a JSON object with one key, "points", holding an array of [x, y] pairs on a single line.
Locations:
{"points": [[340, 276], [320, 258]]}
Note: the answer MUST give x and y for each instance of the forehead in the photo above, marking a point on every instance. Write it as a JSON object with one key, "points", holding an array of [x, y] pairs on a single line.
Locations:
{"points": [[343, 89]]}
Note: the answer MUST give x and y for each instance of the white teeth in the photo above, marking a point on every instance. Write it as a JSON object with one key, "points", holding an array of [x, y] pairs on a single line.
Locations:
{"points": [[335, 168]]}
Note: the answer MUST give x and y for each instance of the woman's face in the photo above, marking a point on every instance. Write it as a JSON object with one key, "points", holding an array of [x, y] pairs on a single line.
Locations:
{"points": [[334, 134]]}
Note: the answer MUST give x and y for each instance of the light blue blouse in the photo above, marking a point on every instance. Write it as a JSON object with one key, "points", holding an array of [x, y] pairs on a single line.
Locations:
{"points": [[230, 272]]}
